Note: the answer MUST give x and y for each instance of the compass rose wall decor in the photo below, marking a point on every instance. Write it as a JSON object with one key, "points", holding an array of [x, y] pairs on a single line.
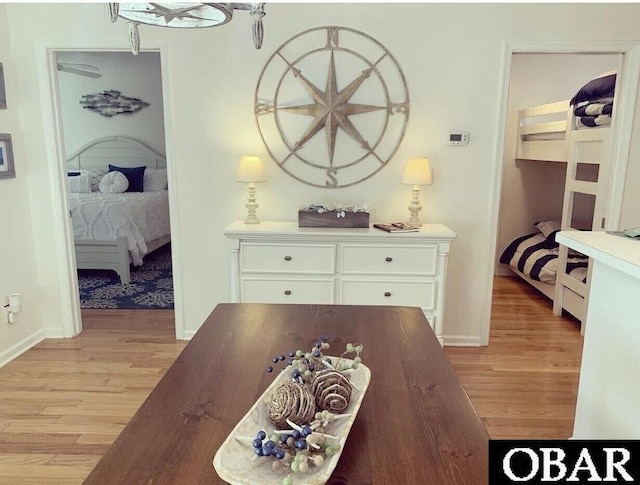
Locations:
{"points": [[332, 106]]}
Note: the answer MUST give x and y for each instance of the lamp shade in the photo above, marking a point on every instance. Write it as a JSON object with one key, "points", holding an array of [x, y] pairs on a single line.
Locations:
{"points": [[250, 170], [417, 172]]}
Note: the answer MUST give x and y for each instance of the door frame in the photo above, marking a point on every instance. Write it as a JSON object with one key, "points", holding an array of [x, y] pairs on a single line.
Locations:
{"points": [[620, 139], [62, 236]]}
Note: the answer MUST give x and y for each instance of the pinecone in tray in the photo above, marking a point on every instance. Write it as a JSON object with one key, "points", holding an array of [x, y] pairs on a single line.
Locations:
{"points": [[291, 401], [317, 383], [332, 390]]}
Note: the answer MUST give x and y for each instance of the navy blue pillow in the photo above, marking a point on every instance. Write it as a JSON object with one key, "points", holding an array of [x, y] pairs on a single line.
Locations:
{"points": [[135, 176], [602, 87]]}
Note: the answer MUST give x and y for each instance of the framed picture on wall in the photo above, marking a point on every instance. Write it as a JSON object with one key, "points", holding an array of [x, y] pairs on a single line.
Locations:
{"points": [[3, 95], [7, 170]]}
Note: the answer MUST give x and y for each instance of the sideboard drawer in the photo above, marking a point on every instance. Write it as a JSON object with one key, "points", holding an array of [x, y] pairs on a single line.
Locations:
{"points": [[288, 258], [279, 262], [401, 293], [319, 291], [414, 260]]}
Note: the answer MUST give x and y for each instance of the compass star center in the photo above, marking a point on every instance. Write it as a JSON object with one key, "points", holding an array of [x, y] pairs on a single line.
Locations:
{"points": [[331, 108]]}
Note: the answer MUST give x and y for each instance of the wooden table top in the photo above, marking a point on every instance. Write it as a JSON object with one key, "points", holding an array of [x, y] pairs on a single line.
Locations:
{"points": [[416, 425]]}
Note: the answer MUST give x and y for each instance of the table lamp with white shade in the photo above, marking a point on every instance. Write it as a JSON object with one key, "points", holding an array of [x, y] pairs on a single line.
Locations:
{"points": [[250, 171], [416, 173]]}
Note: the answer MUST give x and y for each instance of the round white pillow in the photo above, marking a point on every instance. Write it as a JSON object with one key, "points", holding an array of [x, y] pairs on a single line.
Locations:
{"points": [[113, 183]]}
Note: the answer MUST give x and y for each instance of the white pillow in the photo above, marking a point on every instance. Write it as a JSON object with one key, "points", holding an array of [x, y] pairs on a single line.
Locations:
{"points": [[114, 183], [547, 227], [79, 184], [95, 176], [155, 180]]}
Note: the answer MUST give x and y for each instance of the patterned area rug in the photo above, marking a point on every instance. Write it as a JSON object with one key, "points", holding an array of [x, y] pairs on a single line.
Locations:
{"points": [[151, 285]]}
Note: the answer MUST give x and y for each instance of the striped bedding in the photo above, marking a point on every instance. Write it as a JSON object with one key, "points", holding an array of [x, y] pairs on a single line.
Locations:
{"points": [[537, 257]]}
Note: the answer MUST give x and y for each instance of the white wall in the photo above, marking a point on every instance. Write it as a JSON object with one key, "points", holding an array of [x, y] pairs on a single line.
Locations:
{"points": [[134, 76], [451, 56], [533, 191], [18, 259]]}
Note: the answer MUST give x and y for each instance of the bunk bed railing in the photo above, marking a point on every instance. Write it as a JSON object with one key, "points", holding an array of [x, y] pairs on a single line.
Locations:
{"points": [[546, 128], [541, 132]]}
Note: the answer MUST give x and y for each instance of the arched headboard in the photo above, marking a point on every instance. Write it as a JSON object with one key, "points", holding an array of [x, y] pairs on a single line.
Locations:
{"points": [[121, 151]]}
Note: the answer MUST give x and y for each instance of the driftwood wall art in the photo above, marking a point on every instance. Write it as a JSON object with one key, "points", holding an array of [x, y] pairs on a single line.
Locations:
{"points": [[110, 103]]}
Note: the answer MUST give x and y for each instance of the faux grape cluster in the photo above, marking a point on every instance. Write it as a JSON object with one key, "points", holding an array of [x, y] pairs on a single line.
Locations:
{"points": [[299, 448], [305, 364]]}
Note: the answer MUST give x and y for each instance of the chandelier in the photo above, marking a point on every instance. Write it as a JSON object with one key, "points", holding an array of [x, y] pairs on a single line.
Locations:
{"points": [[183, 15]]}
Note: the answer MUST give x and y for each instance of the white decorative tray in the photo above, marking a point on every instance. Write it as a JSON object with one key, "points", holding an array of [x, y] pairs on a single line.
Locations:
{"points": [[236, 461]]}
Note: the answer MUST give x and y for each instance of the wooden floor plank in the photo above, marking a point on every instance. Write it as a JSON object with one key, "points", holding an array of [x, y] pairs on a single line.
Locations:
{"points": [[63, 403], [525, 383]]}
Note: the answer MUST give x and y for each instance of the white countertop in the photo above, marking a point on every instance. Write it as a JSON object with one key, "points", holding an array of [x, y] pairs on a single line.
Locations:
{"points": [[290, 228], [619, 252]]}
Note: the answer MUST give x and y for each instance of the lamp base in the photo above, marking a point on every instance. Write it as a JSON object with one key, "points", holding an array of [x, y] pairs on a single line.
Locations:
{"points": [[415, 207], [251, 206]]}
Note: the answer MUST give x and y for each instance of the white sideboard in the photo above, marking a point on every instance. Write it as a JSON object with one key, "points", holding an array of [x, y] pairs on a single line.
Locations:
{"points": [[608, 392], [279, 262]]}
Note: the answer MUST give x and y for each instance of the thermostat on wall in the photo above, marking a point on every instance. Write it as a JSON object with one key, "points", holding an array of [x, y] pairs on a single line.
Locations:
{"points": [[458, 138]]}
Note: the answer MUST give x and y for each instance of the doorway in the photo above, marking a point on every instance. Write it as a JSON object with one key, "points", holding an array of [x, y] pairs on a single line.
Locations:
{"points": [[626, 60], [100, 95]]}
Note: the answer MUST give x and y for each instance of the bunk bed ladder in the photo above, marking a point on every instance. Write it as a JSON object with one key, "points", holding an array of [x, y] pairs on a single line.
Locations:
{"points": [[583, 147]]}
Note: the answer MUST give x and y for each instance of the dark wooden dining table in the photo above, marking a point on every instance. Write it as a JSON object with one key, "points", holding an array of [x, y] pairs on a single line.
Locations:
{"points": [[416, 424]]}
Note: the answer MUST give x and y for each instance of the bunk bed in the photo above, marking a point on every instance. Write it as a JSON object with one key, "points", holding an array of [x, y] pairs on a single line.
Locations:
{"points": [[535, 258], [577, 133], [113, 228]]}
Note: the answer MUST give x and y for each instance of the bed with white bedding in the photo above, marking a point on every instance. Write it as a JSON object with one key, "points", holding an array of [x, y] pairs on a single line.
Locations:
{"points": [[114, 228], [137, 216]]}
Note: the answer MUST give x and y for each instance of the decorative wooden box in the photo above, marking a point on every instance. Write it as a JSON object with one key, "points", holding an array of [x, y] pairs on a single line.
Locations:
{"points": [[311, 218]]}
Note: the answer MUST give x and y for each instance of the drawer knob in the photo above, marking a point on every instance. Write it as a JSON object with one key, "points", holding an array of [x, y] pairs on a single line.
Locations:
{"points": [[388, 259], [287, 292], [287, 258], [387, 293]]}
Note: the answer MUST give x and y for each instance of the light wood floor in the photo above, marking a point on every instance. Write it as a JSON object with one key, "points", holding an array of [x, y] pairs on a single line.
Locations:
{"points": [[525, 383], [64, 402]]}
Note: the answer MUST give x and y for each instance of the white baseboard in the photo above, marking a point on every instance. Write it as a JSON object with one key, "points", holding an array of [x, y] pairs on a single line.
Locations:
{"points": [[21, 347], [53, 333], [188, 334], [461, 341]]}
